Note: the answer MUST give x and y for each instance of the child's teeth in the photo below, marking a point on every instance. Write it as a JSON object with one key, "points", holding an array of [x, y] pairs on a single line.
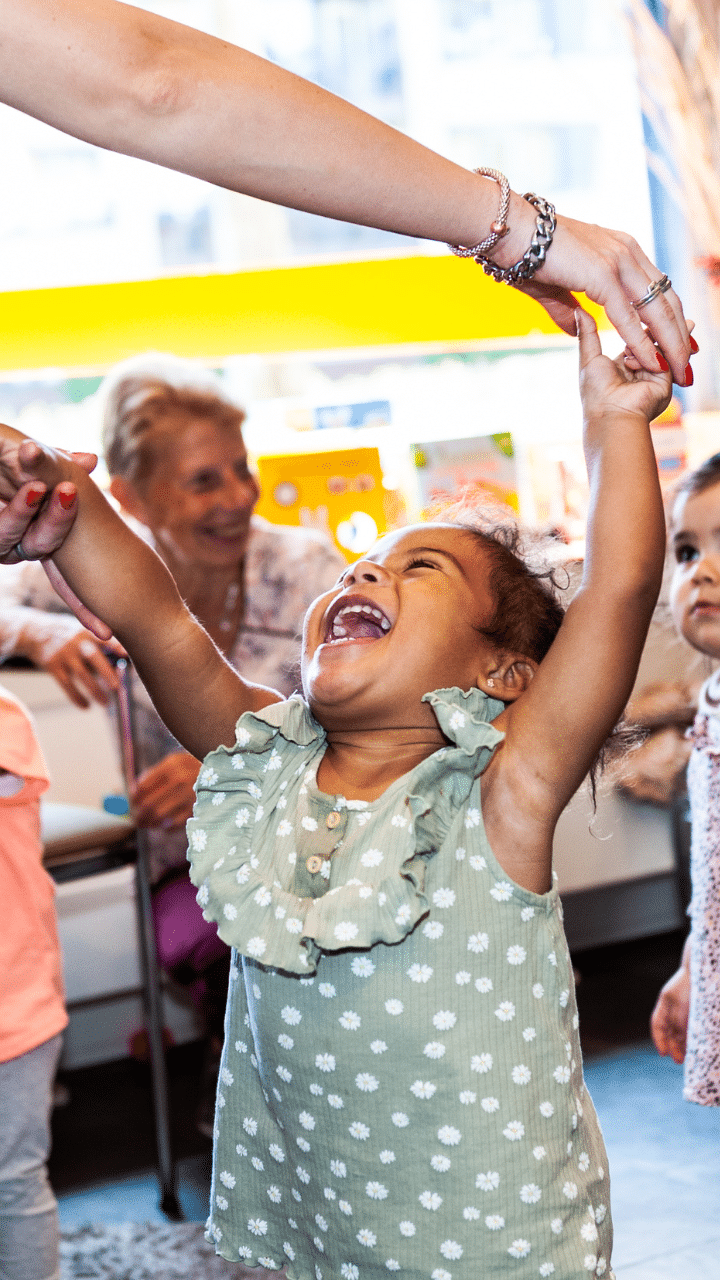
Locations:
{"points": [[339, 632]]}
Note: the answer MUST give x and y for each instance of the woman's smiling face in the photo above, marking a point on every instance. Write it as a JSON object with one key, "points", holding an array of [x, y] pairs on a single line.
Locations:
{"points": [[200, 493], [401, 622]]}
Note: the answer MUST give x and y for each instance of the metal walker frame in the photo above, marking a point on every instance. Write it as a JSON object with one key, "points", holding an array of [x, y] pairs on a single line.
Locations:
{"points": [[152, 994]]}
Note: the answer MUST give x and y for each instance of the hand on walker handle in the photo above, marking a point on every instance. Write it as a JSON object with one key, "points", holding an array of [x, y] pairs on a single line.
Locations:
{"points": [[80, 664], [164, 794]]}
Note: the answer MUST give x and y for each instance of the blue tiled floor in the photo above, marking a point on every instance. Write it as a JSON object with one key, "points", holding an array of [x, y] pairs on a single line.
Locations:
{"points": [[135, 1199], [664, 1160]]}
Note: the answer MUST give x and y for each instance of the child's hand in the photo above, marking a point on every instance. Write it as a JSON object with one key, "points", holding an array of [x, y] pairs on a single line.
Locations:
{"points": [[669, 1019], [23, 460], [611, 386]]}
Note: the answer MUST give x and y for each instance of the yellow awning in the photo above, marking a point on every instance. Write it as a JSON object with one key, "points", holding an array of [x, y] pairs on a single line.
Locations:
{"points": [[307, 308]]}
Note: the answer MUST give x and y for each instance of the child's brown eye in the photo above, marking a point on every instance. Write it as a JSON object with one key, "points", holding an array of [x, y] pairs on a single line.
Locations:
{"points": [[421, 564], [685, 553]]}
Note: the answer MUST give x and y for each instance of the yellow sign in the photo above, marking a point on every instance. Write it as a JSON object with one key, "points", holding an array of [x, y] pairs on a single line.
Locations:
{"points": [[409, 299]]}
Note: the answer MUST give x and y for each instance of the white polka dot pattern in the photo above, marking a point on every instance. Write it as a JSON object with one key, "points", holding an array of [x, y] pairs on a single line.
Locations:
{"points": [[416, 1107]]}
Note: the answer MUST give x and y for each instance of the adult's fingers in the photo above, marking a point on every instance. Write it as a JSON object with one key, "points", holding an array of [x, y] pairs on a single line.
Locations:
{"points": [[169, 808], [611, 268], [17, 516], [70, 682], [82, 669], [613, 271], [99, 669], [660, 322], [163, 794], [659, 327], [641, 352], [46, 526], [559, 303], [634, 364]]}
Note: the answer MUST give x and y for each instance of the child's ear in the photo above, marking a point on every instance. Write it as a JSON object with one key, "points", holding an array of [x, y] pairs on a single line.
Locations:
{"points": [[128, 498], [507, 677]]}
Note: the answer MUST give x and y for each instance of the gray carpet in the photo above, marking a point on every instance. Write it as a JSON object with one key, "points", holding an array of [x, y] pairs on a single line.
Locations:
{"points": [[144, 1251]]}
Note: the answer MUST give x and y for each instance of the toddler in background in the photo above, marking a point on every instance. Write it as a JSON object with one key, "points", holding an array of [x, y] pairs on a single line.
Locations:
{"points": [[685, 1023], [401, 1087], [32, 1008]]}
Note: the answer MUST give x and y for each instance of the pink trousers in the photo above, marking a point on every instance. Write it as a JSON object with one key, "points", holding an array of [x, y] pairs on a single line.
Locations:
{"points": [[187, 944]]}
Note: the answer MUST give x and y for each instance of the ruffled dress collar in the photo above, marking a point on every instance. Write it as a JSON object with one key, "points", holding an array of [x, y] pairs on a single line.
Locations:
{"points": [[254, 796]]}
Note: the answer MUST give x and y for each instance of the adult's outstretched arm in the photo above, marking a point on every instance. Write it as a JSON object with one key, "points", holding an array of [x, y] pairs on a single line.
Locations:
{"points": [[131, 81]]}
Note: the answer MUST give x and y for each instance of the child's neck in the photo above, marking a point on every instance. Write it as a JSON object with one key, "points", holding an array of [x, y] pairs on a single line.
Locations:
{"points": [[362, 764]]}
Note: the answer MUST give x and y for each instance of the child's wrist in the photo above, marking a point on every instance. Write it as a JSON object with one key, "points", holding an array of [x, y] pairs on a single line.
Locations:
{"points": [[605, 415]]}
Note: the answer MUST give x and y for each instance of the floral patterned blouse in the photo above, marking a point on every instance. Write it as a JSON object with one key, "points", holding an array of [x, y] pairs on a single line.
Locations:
{"points": [[702, 1057], [401, 1088]]}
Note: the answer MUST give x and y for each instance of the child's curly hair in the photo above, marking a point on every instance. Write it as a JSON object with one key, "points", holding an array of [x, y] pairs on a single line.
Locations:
{"points": [[527, 589]]}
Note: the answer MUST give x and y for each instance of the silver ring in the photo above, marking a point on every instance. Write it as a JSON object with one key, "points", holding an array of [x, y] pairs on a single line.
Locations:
{"points": [[659, 286], [18, 549]]}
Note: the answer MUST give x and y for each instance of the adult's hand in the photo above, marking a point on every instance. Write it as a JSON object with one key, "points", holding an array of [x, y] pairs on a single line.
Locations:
{"points": [[79, 664], [42, 526], [611, 268], [163, 795]]}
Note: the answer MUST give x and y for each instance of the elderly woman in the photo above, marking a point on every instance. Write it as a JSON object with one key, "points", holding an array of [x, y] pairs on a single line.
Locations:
{"points": [[178, 465]]}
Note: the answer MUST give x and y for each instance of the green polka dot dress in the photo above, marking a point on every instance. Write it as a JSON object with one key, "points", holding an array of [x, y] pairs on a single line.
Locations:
{"points": [[401, 1087]]}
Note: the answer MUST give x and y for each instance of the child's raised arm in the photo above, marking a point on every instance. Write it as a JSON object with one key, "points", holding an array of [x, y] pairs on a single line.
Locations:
{"points": [[556, 728], [123, 581]]}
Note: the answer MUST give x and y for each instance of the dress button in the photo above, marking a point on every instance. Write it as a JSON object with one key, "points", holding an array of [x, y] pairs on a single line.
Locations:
{"points": [[314, 864], [333, 820]]}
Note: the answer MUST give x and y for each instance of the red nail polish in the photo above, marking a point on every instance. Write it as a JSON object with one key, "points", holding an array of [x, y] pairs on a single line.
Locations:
{"points": [[66, 500], [34, 496], [689, 378], [662, 362], [693, 345]]}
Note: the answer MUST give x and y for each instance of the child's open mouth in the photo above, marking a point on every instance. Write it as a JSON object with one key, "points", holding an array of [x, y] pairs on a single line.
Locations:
{"points": [[356, 621]]}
